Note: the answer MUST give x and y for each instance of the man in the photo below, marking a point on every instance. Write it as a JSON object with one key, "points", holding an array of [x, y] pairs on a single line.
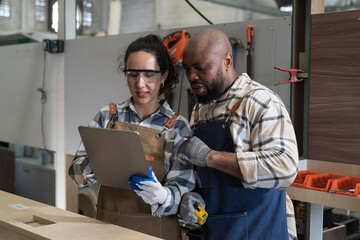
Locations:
{"points": [[244, 147]]}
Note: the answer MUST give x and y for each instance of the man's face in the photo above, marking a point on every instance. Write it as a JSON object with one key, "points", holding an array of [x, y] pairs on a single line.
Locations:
{"points": [[205, 75]]}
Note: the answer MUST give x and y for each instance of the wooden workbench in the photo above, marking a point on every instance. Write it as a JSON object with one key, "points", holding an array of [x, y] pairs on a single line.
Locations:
{"points": [[25, 219]]}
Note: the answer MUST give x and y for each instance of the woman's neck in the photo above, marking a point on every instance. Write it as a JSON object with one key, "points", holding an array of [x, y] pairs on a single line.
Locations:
{"points": [[145, 110]]}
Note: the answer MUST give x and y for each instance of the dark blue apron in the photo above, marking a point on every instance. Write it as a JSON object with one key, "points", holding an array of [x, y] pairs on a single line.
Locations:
{"points": [[236, 212]]}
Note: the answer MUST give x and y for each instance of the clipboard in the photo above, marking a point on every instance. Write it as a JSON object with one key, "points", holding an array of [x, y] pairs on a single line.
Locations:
{"points": [[114, 155]]}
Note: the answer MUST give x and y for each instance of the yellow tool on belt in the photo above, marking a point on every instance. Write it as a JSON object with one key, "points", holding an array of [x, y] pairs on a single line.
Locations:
{"points": [[200, 213]]}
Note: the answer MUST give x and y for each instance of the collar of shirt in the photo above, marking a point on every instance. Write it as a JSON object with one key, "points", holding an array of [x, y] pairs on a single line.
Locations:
{"points": [[164, 108], [238, 88], [235, 85]]}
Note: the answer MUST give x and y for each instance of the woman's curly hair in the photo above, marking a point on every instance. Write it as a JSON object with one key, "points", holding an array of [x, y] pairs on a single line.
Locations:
{"points": [[154, 45]]}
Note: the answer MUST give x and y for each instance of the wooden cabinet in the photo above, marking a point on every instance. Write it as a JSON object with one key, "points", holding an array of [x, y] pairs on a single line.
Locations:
{"points": [[7, 170]]}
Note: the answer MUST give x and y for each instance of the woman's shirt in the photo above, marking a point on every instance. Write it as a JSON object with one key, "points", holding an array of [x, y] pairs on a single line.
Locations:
{"points": [[179, 175]]}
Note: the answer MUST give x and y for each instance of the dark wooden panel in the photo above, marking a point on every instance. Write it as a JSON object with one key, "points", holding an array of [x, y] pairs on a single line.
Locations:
{"points": [[7, 170], [334, 110]]}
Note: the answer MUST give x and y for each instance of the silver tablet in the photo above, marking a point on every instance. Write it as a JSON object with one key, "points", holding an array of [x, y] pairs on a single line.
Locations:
{"points": [[114, 155]]}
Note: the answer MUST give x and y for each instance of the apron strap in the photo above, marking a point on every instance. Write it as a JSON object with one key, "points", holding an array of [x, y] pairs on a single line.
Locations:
{"points": [[235, 107], [196, 116], [171, 120], [232, 111], [196, 113], [113, 114]]}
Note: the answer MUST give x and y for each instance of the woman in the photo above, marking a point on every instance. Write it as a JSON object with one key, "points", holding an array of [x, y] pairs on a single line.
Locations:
{"points": [[149, 72]]}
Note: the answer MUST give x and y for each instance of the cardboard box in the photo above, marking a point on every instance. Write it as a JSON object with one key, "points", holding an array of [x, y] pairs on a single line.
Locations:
{"points": [[336, 232]]}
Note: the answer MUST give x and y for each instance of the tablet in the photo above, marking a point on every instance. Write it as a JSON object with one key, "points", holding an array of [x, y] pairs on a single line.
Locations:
{"points": [[114, 155]]}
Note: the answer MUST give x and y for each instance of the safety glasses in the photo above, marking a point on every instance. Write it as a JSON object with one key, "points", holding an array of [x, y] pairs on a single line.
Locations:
{"points": [[149, 75]]}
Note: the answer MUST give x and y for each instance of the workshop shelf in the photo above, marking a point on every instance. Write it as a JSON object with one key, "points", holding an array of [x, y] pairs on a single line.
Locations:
{"points": [[348, 185], [300, 178], [321, 182], [315, 180]]}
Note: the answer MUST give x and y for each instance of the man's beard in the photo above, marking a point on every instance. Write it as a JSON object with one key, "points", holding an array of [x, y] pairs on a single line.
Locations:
{"points": [[213, 90]]}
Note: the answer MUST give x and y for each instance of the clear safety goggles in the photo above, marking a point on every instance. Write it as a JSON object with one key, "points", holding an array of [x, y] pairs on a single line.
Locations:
{"points": [[149, 75]]}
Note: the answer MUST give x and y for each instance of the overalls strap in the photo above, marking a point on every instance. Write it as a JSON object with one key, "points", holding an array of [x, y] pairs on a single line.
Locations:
{"points": [[236, 212], [121, 206]]}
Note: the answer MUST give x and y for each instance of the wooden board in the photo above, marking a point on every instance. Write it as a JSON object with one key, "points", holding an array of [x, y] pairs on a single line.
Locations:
{"points": [[22, 218], [7, 170], [324, 198], [71, 188], [334, 108]]}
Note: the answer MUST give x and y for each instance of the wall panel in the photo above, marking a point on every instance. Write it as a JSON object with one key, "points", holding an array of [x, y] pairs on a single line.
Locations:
{"points": [[92, 80], [334, 109]]}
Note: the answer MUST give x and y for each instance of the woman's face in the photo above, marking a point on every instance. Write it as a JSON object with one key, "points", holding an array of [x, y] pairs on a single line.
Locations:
{"points": [[144, 86]]}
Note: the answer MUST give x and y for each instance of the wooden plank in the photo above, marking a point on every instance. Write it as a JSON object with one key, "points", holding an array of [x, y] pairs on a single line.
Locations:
{"points": [[71, 188], [333, 167], [300, 35], [56, 224], [324, 198], [334, 108], [317, 6]]}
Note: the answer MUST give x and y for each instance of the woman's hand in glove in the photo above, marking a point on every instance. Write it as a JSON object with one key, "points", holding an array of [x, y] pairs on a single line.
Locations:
{"points": [[149, 189]]}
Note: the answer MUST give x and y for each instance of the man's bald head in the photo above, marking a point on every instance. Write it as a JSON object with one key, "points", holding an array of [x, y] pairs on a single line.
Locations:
{"points": [[209, 40], [207, 60]]}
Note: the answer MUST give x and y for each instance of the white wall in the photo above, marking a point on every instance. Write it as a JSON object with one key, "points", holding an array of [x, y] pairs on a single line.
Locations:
{"points": [[22, 69], [92, 80]]}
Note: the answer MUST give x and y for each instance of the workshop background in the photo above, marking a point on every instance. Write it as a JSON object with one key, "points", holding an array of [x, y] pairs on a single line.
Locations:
{"points": [[58, 64]]}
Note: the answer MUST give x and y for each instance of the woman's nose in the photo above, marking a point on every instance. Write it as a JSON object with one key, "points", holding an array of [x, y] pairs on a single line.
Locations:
{"points": [[140, 80]]}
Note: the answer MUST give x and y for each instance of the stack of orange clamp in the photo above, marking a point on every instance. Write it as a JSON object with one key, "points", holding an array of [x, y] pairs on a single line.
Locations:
{"points": [[328, 182]]}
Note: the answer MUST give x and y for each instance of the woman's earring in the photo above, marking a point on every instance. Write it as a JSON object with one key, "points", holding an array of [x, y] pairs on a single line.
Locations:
{"points": [[162, 85]]}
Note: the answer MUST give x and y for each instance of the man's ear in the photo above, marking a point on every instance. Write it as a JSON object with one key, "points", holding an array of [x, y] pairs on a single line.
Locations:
{"points": [[164, 76], [228, 61]]}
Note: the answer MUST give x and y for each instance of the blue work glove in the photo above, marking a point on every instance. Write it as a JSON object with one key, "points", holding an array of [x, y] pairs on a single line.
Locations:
{"points": [[187, 209], [193, 150], [149, 189]]}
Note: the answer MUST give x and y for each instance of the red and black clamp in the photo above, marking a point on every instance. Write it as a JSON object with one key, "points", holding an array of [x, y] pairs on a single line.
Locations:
{"points": [[293, 75], [249, 48]]}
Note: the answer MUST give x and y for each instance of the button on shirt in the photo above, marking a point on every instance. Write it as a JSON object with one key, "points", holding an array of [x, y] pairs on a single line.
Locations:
{"points": [[179, 176], [263, 136]]}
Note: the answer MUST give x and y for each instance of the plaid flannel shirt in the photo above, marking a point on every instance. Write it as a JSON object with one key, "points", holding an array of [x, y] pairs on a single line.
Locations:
{"points": [[263, 136], [179, 176]]}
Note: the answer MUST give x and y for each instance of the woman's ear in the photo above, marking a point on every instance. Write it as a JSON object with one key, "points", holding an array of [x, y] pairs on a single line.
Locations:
{"points": [[164, 76]]}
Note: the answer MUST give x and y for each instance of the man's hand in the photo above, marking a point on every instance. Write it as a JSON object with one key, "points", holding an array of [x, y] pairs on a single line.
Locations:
{"points": [[187, 210], [149, 189], [193, 150]]}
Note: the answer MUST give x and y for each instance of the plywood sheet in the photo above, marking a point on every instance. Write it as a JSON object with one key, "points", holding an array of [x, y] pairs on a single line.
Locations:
{"points": [[334, 108], [22, 218]]}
